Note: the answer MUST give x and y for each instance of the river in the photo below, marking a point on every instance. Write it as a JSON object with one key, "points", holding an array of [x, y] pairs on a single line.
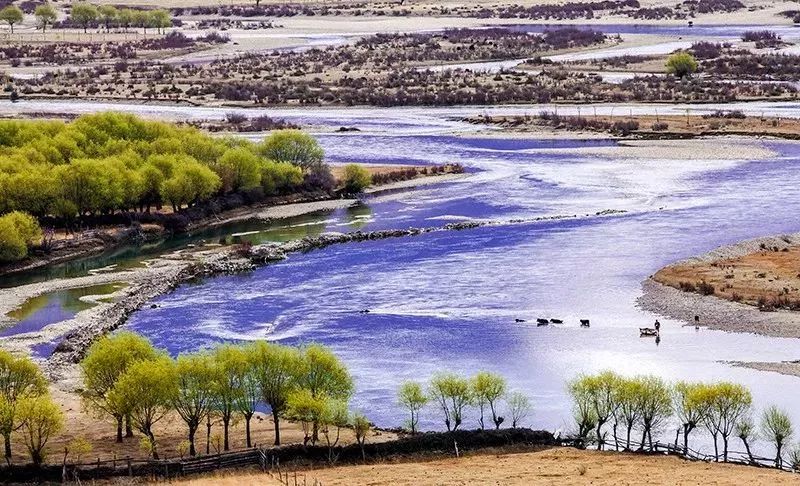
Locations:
{"points": [[449, 300]]}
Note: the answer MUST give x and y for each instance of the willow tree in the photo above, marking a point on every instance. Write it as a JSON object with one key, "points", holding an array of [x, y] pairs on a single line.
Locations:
{"points": [[229, 367], [731, 403], [146, 391], [20, 379], [452, 392], [293, 146], [487, 389], [776, 426], [413, 398], [655, 403], [278, 371], [40, 419], [324, 376], [106, 360], [194, 397], [691, 402]]}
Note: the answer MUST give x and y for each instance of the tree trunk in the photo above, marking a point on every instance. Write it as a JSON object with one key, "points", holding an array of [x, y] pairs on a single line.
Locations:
{"points": [[747, 448], [192, 431], [778, 459], [716, 449], [153, 444], [119, 429], [7, 443], [276, 419], [628, 440], [128, 428], [725, 448], [208, 435], [225, 425], [600, 440], [247, 429], [644, 437]]}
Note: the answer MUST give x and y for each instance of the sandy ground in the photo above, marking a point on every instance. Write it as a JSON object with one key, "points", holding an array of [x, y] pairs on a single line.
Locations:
{"points": [[733, 148], [563, 466], [745, 261]]}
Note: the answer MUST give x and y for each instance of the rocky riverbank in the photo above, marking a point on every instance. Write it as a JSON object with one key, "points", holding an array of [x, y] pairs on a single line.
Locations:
{"points": [[167, 272]]}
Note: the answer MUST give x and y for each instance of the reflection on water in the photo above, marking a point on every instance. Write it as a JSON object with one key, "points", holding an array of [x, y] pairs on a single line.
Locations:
{"points": [[254, 231], [52, 307]]}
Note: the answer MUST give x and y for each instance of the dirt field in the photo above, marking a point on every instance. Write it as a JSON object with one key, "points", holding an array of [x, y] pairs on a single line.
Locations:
{"points": [[549, 467], [764, 277]]}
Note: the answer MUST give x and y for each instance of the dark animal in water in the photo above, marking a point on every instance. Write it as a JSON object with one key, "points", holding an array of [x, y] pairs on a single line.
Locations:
{"points": [[542, 322], [556, 321], [519, 320], [584, 322], [365, 311], [647, 332]]}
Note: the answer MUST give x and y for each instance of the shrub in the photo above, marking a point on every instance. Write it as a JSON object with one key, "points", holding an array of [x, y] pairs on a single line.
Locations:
{"points": [[18, 232], [705, 288], [356, 179], [681, 64]]}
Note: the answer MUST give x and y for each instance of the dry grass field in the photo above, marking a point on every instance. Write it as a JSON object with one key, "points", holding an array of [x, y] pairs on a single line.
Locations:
{"points": [[562, 467]]}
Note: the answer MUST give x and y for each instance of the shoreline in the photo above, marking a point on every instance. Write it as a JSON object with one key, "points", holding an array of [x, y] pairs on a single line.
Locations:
{"points": [[168, 272], [715, 312]]}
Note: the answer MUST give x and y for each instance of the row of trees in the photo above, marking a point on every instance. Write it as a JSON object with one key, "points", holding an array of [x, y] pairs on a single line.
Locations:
{"points": [[127, 379], [100, 164], [85, 15], [648, 405], [453, 394]]}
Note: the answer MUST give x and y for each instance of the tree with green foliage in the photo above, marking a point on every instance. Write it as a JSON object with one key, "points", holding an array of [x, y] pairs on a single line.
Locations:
{"points": [[45, 15], [691, 402], [18, 232], [302, 407], [106, 360], [277, 370], [324, 376], [655, 404], [126, 17], [238, 168], [84, 14], [361, 427], [453, 393], [143, 19], [681, 64], [356, 179], [629, 411], [40, 419], [413, 398], [20, 379], [582, 408], [228, 384], [601, 391], [729, 403], [160, 19], [519, 407], [279, 177], [108, 15], [335, 417], [11, 14], [776, 426], [487, 389], [293, 146], [195, 392], [146, 391], [745, 431]]}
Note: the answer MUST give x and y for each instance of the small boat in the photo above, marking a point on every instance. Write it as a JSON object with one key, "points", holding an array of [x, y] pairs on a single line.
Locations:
{"points": [[519, 320], [584, 322], [647, 332], [542, 322], [556, 321]]}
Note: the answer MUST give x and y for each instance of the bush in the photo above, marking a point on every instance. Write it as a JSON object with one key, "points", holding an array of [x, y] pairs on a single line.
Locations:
{"points": [[705, 288], [356, 179], [18, 232], [681, 64]]}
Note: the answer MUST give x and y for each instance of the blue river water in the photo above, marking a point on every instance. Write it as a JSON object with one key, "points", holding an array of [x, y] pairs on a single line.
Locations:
{"points": [[449, 300]]}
